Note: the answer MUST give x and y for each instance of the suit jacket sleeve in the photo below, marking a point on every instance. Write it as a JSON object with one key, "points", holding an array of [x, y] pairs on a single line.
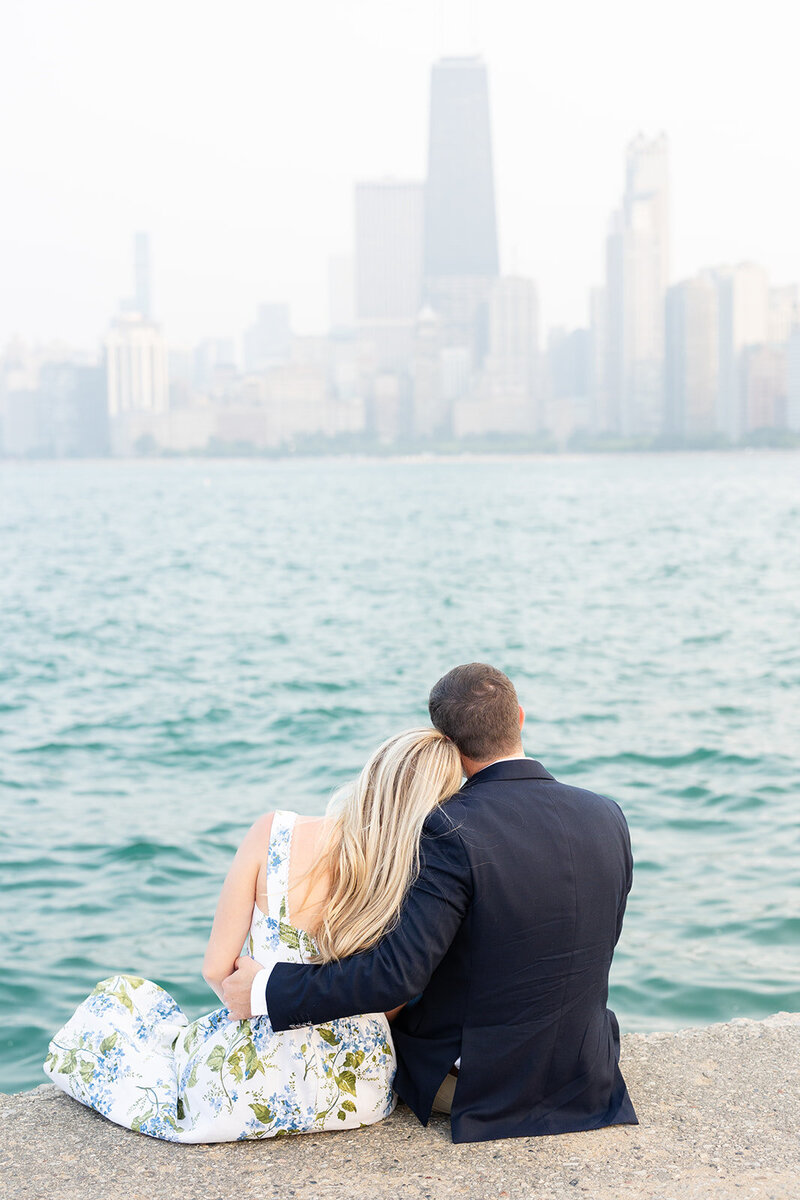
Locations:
{"points": [[398, 968]]}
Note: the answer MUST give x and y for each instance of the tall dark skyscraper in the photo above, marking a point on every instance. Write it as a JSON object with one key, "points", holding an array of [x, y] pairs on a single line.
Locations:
{"points": [[460, 225], [460, 244]]}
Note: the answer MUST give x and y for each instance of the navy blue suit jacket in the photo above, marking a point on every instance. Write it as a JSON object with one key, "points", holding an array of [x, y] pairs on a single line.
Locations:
{"points": [[506, 938]]}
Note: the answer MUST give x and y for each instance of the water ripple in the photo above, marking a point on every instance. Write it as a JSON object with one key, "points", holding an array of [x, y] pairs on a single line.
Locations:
{"points": [[187, 645]]}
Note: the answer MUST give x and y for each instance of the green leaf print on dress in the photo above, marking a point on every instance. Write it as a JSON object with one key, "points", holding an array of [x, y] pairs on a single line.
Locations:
{"points": [[129, 1052]]}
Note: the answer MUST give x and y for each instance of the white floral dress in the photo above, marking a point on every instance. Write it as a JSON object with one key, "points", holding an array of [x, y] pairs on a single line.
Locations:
{"points": [[129, 1052]]}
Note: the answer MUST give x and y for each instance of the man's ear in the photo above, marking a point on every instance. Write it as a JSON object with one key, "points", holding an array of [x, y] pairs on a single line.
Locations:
{"points": [[521, 717]]}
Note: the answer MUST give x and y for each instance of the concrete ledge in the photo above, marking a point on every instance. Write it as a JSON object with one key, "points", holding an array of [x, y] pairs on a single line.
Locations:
{"points": [[720, 1113]]}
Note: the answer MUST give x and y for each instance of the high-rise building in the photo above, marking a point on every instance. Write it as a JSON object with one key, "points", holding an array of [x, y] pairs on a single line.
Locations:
{"points": [[614, 324], [136, 367], [504, 397], [390, 408], [52, 402], [431, 412], [598, 348], [743, 300], [692, 357], [782, 313], [637, 275], [388, 277], [72, 400], [793, 381], [388, 217], [460, 241], [460, 226], [764, 385], [514, 331], [513, 359], [566, 407]]}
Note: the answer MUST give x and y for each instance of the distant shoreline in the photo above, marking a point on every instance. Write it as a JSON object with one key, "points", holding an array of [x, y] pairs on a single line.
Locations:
{"points": [[413, 456]]}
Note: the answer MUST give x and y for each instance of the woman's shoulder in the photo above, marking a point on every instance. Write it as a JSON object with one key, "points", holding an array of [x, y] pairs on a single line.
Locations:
{"points": [[262, 826], [260, 829], [286, 817], [253, 846]]}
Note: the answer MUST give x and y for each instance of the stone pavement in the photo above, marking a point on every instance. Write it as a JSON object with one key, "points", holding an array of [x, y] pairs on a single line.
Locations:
{"points": [[720, 1120]]}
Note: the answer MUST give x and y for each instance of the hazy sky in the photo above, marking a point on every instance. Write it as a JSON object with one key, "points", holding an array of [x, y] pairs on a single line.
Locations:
{"points": [[234, 132]]}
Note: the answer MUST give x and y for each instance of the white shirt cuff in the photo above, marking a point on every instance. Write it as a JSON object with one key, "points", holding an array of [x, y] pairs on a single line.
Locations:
{"points": [[258, 992]]}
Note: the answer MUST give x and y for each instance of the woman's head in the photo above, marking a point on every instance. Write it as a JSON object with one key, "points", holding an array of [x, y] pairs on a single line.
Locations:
{"points": [[373, 854]]}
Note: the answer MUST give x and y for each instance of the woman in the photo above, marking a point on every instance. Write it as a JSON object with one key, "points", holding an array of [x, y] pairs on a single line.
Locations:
{"points": [[305, 889]]}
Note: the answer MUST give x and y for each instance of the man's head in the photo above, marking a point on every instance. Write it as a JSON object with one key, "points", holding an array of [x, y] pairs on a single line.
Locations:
{"points": [[476, 706]]}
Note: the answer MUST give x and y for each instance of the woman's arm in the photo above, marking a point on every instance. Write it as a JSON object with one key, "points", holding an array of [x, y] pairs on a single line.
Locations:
{"points": [[235, 908]]}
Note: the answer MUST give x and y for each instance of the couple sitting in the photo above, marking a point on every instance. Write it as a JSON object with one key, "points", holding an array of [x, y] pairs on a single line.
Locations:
{"points": [[474, 924]]}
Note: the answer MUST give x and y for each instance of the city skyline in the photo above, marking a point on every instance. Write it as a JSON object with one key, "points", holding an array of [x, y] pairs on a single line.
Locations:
{"points": [[246, 186], [399, 194], [429, 342]]}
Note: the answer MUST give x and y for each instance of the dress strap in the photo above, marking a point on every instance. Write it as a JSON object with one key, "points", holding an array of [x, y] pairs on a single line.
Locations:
{"points": [[278, 853]]}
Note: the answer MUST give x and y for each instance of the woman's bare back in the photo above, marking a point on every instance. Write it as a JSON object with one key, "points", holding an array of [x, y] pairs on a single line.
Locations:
{"points": [[309, 889]]}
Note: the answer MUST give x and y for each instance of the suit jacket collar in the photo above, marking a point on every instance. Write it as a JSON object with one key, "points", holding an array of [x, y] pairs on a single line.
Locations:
{"points": [[510, 768]]}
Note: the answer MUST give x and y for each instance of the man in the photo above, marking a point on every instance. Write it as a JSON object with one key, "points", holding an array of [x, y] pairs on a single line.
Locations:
{"points": [[502, 950]]}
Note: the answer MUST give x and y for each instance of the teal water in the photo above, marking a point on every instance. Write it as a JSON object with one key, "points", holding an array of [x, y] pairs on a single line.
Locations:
{"points": [[184, 645]]}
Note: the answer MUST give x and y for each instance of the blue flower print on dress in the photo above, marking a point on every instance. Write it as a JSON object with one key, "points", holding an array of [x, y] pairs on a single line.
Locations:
{"points": [[130, 1053]]}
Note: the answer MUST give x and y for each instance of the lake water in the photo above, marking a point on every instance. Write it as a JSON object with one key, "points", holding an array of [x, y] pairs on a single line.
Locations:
{"points": [[186, 644]]}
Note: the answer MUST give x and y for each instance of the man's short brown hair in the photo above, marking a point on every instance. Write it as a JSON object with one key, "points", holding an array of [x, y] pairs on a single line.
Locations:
{"points": [[477, 707]]}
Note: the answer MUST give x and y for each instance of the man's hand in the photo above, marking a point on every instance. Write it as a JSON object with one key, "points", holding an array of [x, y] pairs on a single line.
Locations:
{"points": [[236, 988]]}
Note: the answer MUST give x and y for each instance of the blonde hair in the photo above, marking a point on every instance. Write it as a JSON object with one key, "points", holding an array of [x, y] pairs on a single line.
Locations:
{"points": [[372, 853]]}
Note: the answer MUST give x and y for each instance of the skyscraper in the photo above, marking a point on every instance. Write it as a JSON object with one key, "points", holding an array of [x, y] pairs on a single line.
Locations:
{"points": [[793, 381], [764, 386], [460, 246], [637, 275], [73, 407], [512, 361], [782, 313], [691, 358], [598, 374], [504, 398], [430, 413], [389, 268], [743, 293], [614, 327], [388, 250], [136, 367]]}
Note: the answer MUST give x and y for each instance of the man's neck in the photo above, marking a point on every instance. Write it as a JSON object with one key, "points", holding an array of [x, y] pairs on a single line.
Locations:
{"points": [[472, 766]]}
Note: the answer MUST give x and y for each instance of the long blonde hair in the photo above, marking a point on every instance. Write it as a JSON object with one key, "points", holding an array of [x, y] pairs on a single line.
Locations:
{"points": [[372, 853]]}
